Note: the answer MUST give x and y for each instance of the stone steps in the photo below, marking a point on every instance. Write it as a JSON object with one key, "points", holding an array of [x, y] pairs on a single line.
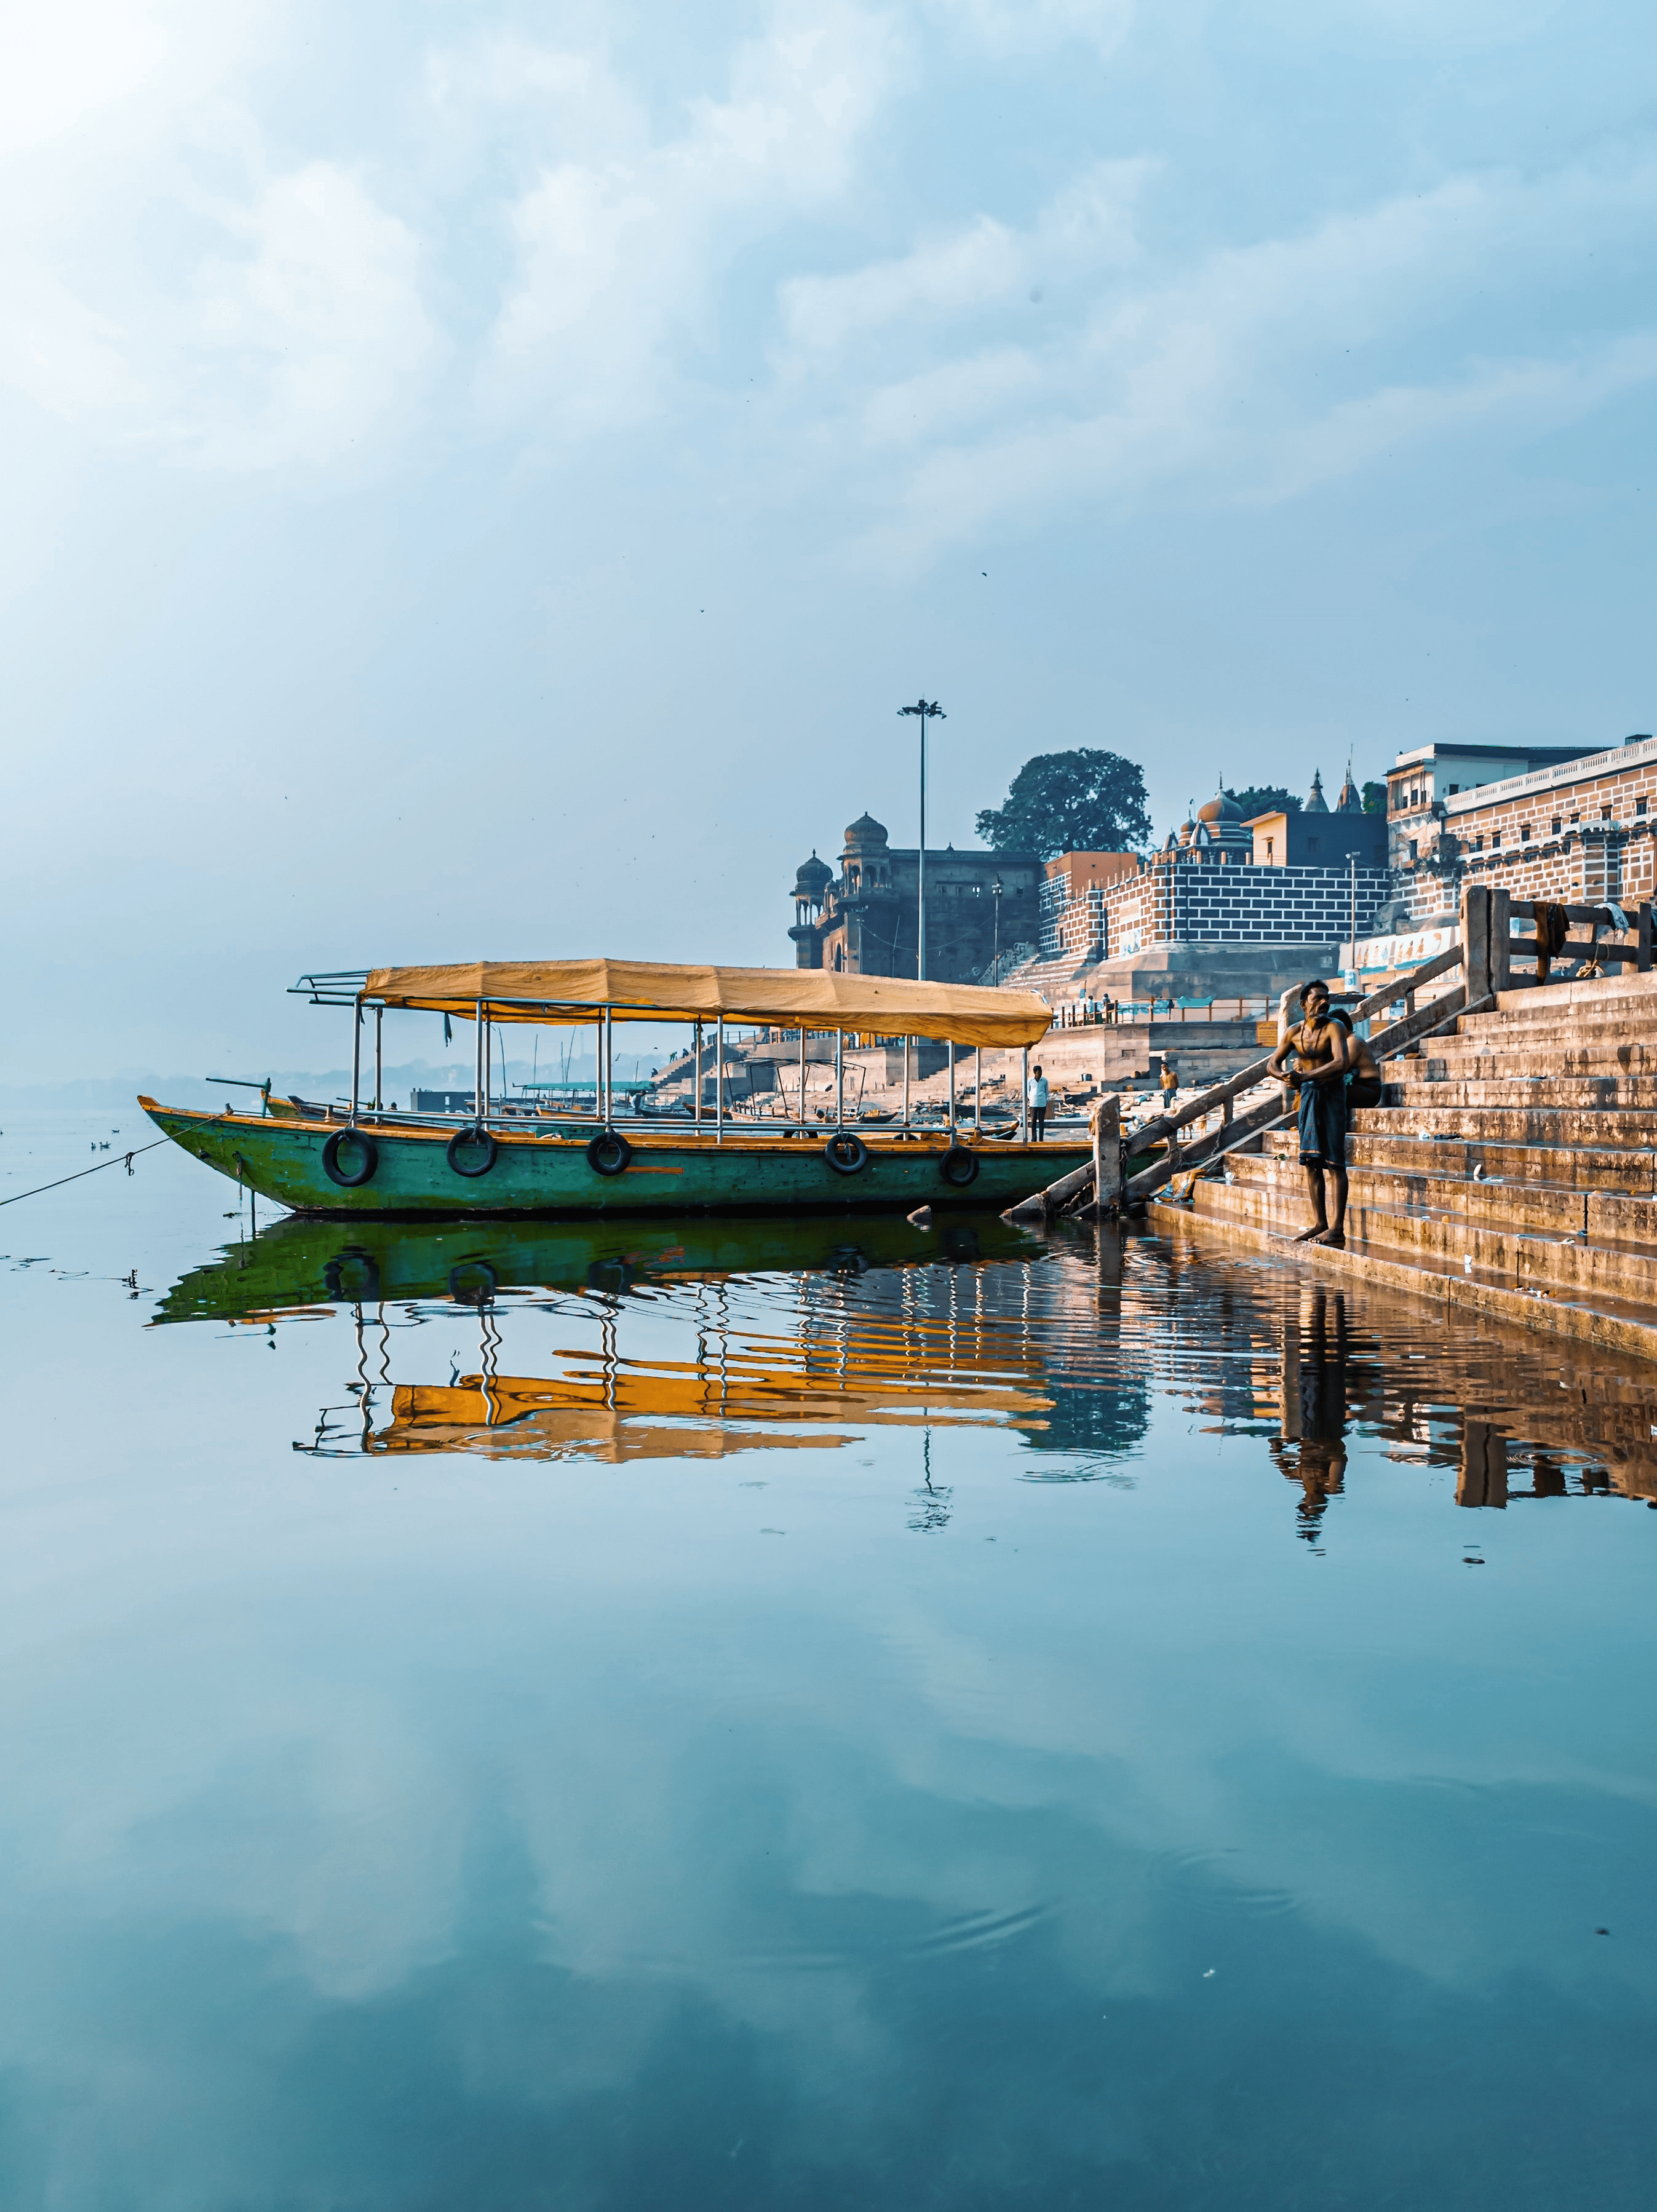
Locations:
{"points": [[1432, 1114], [1505, 1253], [1421, 1093], [1627, 1217], [1636, 994], [1552, 1096], [1573, 1167], [1493, 1032]]}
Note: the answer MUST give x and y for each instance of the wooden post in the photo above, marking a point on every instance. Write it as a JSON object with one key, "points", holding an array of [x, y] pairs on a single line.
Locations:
{"points": [[1107, 1156], [1642, 923], [1501, 933], [1483, 1479], [1476, 939]]}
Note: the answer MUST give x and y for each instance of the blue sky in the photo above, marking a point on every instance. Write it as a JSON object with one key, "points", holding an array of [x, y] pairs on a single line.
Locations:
{"points": [[481, 481]]}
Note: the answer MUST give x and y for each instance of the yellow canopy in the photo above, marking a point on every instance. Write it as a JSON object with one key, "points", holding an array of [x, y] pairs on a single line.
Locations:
{"points": [[652, 990]]}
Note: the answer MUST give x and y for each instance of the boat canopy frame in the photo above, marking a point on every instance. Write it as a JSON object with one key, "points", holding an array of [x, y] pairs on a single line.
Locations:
{"points": [[574, 993]]}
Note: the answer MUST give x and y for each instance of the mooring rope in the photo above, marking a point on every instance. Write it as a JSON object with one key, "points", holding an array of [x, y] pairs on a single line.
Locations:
{"points": [[120, 1159]]}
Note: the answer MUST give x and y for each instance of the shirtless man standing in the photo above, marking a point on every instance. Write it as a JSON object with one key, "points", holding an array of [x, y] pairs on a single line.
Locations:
{"points": [[1319, 1049]]}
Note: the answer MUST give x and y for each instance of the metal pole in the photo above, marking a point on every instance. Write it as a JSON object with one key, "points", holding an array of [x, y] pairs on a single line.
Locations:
{"points": [[907, 1043], [839, 1077], [1024, 1098], [477, 1073], [488, 1063], [802, 1075], [719, 1081], [920, 914], [356, 1052], [695, 1114], [609, 1064], [952, 1086], [379, 1024]]}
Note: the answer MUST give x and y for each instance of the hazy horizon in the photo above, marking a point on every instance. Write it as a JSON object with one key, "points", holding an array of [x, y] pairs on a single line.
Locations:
{"points": [[483, 480]]}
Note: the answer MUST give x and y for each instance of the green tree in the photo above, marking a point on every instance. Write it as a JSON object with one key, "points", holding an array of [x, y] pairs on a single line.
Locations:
{"points": [[1085, 801], [1374, 799], [1265, 799]]}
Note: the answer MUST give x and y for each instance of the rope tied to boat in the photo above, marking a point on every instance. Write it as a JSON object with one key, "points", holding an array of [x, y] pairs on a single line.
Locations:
{"points": [[121, 1159]]}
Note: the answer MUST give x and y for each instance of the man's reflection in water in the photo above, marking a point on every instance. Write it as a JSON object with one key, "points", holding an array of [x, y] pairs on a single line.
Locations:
{"points": [[1311, 1447]]}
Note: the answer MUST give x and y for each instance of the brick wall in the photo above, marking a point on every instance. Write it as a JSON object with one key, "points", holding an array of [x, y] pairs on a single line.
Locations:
{"points": [[1581, 833], [1203, 901]]}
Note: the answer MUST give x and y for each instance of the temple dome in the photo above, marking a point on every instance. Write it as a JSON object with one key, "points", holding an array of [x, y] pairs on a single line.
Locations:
{"points": [[1220, 808], [865, 830], [1352, 799], [812, 878], [1317, 804]]}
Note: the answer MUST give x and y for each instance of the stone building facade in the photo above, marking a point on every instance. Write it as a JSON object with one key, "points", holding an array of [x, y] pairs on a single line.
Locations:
{"points": [[1074, 921], [1206, 915], [1210, 884], [862, 920], [1574, 824]]}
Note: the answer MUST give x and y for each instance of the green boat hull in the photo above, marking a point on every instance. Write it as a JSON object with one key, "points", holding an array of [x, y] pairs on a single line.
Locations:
{"points": [[304, 1263], [552, 1177]]}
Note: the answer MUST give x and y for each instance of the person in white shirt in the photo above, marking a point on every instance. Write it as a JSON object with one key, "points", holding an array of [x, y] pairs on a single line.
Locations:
{"points": [[1038, 1097]]}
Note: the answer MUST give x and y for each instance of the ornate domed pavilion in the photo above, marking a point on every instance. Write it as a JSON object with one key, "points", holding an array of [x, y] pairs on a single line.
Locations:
{"points": [[811, 881]]}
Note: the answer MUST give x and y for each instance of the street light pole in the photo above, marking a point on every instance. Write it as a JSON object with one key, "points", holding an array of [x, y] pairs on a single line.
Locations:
{"points": [[926, 709], [994, 964]]}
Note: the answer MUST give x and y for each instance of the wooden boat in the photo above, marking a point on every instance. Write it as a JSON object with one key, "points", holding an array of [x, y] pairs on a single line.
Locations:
{"points": [[367, 1160]]}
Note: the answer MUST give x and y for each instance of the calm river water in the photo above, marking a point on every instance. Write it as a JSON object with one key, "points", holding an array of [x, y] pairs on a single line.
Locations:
{"points": [[803, 1715]]}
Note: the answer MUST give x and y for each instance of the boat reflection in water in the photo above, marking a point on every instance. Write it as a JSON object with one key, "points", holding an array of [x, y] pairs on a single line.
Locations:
{"points": [[697, 1340], [742, 1388]]}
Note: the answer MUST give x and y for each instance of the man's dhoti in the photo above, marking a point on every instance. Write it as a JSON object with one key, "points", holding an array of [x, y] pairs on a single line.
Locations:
{"points": [[1323, 1124]]}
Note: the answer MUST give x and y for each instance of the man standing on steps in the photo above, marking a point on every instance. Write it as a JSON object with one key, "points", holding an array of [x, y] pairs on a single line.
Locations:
{"points": [[1038, 1101], [1318, 1047]]}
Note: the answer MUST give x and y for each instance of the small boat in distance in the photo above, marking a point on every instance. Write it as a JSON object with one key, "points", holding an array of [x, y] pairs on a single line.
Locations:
{"points": [[502, 1159]]}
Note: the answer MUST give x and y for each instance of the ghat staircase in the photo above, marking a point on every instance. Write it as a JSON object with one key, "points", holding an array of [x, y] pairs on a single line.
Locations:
{"points": [[1511, 1167]]}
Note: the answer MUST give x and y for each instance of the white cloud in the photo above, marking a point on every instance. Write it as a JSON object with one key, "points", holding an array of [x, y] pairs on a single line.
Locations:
{"points": [[312, 341], [79, 65], [618, 258], [1264, 368], [1003, 26], [982, 264], [268, 316]]}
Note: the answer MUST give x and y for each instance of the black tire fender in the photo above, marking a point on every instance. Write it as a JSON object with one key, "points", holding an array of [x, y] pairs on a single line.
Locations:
{"points": [[365, 1293], [959, 1166], [480, 1293], [609, 1152], [477, 1136], [367, 1158], [845, 1153]]}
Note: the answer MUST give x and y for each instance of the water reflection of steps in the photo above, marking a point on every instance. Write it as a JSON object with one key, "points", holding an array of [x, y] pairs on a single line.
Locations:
{"points": [[1514, 1165]]}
